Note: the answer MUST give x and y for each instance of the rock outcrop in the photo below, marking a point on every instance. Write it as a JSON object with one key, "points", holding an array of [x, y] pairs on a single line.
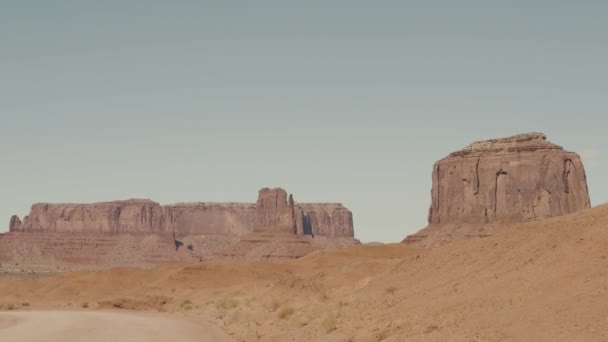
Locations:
{"points": [[14, 224], [274, 212], [324, 219], [490, 184], [118, 217], [135, 232], [210, 218]]}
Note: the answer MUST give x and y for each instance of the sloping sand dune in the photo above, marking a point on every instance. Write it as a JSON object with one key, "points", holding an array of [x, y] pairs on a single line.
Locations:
{"points": [[61, 326], [541, 281]]}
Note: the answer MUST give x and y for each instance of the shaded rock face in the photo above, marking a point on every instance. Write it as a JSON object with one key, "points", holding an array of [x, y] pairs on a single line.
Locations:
{"points": [[496, 182], [14, 224], [324, 219], [274, 212]]}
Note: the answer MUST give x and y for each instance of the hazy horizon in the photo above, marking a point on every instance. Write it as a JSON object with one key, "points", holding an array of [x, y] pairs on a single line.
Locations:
{"points": [[348, 101]]}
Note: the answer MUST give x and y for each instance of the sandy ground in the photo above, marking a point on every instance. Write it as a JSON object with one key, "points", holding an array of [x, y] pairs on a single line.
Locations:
{"points": [[100, 326], [541, 281]]}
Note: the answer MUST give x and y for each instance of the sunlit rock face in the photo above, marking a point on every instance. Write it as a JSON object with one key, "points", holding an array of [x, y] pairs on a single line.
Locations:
{"points": [[493, 183]]}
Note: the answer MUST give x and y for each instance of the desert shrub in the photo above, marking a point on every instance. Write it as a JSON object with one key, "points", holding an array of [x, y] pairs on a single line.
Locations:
{"points": [[26, 304], [227, 304], [275, 305], [391, 290], [84, 305], [286, 312], [329, 324]]}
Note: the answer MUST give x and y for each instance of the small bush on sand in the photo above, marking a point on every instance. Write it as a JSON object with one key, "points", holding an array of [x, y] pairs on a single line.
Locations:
{"points": [[329, 324], [391, 290], [227, 304], [286, 312], [84, 305], [275, 305]]}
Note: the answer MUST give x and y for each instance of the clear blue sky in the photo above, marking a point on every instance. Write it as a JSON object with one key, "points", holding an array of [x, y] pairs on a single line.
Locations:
{"points": [[348, 101]]}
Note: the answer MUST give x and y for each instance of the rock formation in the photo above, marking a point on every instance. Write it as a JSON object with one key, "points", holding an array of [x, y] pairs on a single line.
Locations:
{"points": [[210, 218], [274, 212], [489, 184], [138, 231], [15, 224], [324, 219]]}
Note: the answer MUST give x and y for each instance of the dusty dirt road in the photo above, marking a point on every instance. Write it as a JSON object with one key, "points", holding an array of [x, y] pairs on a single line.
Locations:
{"points": [[56, 326]]}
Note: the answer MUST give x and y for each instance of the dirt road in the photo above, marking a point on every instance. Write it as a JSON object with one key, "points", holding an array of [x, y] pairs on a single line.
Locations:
{"points": [[56, 326]]}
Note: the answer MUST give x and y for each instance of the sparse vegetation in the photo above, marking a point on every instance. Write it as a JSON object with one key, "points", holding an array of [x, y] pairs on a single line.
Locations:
{"points": [[275, 305], [391, 290], [227, 304], [25, 304], [329, 324], [286, 312]]}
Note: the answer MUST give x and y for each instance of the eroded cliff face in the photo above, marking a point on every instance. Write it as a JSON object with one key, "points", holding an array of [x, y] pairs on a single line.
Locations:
{"points": [[493, 183], [15, 224], [131, 216], [274, 212], [324, 219], [210, 218]]}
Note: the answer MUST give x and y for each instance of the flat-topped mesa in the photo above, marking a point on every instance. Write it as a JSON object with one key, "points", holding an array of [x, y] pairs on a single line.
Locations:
{"points": [[528, 142], [492, 183], [117, 217], [274, 212]]}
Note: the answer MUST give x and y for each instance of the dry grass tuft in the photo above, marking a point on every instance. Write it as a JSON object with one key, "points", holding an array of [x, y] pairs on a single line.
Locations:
{"points": [[227, 304], [286, 312], [329, 324]]}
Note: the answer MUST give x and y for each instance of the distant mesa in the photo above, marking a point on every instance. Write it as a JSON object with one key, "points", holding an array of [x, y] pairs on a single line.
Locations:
{"points": [[273, 212], [140, 231], [492, 183]]}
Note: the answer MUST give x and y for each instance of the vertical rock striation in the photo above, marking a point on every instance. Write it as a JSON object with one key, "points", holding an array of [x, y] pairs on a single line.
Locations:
{"points": [[274, 213], [493, 183]]}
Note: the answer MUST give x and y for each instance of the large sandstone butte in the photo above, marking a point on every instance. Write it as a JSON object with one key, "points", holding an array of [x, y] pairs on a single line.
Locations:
{"points": [[142, 230], [493, 183]]}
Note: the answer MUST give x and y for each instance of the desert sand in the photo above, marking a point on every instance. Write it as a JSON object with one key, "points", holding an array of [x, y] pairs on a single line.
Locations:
{"points": [[60, 326], [540, 281]]}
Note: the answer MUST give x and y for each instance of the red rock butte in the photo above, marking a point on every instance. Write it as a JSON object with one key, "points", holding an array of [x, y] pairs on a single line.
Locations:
{"points": [[143, 230], [493, 183]]}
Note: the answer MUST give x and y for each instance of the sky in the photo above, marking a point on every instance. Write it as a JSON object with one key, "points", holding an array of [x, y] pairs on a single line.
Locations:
{"points": [[335, 101]]}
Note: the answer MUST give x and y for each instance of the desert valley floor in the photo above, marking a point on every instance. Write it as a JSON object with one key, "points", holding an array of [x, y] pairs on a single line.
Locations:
{"points": [[539, 281]]}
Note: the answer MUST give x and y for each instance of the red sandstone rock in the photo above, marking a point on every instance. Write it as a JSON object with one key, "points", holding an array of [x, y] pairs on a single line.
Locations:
{"points": [[15, 224], [137, 232], [274, 212], [234, 219], [119, 217], [489, 184], [324, 219]]}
